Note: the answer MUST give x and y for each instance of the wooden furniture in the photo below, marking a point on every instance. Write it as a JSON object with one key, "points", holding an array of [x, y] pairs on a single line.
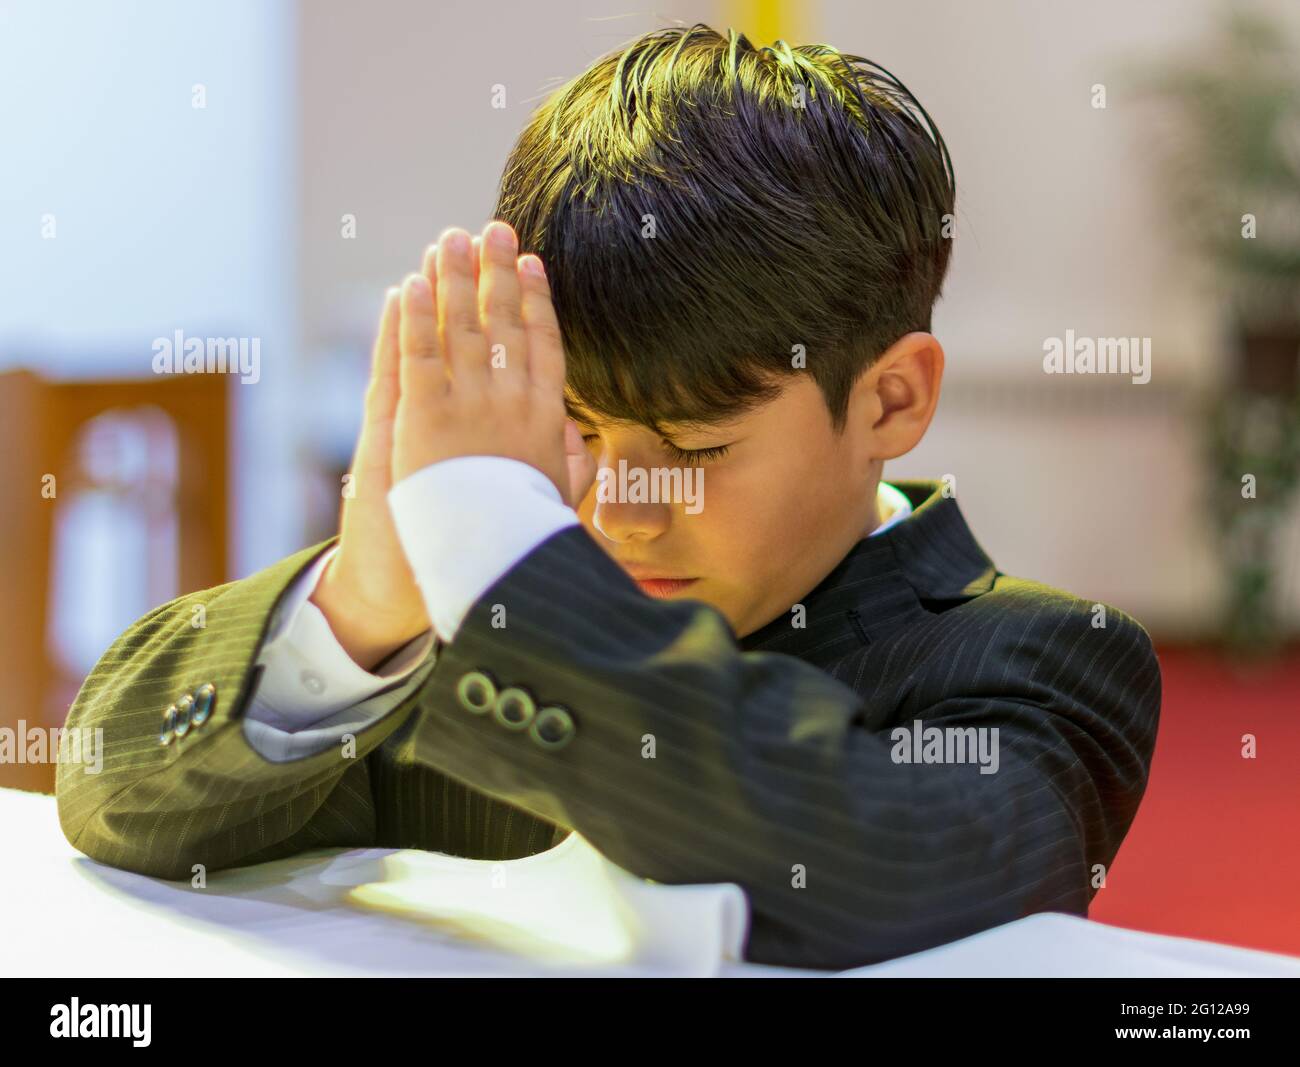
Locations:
{"points": [[131, 471]]}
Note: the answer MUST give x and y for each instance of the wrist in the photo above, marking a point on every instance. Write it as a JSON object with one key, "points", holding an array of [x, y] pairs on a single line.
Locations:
{"points": [[367, 635]]}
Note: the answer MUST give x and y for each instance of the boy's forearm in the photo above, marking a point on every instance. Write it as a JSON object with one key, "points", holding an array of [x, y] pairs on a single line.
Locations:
{"points": [[166, 799]]}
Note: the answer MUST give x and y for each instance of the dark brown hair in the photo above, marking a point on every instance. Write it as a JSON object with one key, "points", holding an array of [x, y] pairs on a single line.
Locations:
{"points": [[796, 196]]}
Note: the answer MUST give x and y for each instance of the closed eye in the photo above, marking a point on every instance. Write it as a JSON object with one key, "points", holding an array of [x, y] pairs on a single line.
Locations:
{"points": [[690, 456], [693, 456]]}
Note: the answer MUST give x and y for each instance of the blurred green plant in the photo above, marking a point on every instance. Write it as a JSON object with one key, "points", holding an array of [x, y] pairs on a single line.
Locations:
{"points": [[1230, 157]]}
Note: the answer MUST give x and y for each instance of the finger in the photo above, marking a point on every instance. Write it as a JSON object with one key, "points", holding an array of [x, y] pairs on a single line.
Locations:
{"points": [[545, 344], [499, 308], [383, 389], [475, 254], [461, 333], [370, 463], [429, 267], [422, 367]]}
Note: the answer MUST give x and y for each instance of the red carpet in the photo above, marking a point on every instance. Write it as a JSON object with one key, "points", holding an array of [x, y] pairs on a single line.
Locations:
{"points": [[1215, 850]]}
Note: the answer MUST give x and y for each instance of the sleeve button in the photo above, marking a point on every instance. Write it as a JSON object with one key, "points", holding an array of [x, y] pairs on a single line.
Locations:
{"points": [[184, 707], [552, 728], [477, 692], [204, 699], [514, 708], [168, 727]]}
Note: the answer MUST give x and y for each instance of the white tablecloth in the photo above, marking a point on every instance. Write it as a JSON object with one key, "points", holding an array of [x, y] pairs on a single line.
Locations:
{"points": [[406, 912]]}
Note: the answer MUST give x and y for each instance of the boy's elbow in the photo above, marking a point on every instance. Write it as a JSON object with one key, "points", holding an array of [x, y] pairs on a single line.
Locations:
{"points": [[118, 839]]}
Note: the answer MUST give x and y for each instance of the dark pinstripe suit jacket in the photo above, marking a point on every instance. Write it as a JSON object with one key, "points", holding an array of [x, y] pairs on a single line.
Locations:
{"points": [[773, 763]]}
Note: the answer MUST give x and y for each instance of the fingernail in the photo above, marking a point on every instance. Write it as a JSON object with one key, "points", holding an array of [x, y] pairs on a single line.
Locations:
{"points": [[458, 242], [418, 284], [501, 236], [533, 265]]}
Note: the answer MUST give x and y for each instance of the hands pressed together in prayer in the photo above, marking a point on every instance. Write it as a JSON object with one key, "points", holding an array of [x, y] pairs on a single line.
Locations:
{"points": [[468, 362]]}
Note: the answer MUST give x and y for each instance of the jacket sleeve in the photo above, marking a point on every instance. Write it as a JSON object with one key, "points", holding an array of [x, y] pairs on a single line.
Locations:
{"points": [[685, 760], [206, 796]]}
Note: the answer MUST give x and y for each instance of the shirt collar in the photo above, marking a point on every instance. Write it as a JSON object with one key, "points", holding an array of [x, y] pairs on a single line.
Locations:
{"points": [[894, 502]]}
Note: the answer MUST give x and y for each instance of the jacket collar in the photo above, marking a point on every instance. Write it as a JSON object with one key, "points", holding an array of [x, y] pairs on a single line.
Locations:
{"points": [[935, 548], [929, 556]]}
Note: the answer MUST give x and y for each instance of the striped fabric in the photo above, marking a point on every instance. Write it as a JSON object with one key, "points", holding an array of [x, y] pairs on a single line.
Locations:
{"points": [[767, 761]]}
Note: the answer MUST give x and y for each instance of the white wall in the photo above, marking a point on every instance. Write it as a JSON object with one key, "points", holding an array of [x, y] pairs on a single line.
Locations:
{"points": [[1060, 226], [167, 217]]}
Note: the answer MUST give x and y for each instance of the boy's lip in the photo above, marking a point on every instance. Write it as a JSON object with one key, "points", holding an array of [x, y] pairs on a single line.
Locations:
{"points": [[656, 583], [663, 587]]}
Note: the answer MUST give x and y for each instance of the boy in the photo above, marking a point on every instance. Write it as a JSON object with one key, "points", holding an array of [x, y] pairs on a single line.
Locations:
{"points": [[802, 680]]}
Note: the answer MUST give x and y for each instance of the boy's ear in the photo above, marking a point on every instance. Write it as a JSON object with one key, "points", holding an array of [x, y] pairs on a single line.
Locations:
{"points": [[903, 387]]}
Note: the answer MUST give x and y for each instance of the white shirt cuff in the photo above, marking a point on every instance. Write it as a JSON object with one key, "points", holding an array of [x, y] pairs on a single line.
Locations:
{"points": [[464, 522], [307, 676]]}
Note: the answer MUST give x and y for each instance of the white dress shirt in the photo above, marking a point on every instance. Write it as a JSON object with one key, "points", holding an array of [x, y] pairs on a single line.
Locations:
{"points": [[312, 693]]}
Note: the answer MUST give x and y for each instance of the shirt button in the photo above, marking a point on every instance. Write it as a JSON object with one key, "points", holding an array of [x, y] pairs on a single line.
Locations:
{"points": [[312, 682]]}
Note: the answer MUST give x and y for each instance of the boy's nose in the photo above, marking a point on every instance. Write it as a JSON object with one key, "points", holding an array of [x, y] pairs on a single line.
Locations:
{"points": [[621, 521]]}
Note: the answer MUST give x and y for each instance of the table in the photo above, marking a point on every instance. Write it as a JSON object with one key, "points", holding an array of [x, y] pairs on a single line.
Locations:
{"points": [[372, 912]]}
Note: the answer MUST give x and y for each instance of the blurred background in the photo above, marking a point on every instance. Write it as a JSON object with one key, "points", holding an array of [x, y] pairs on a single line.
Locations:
{"points": [[261, 171]]}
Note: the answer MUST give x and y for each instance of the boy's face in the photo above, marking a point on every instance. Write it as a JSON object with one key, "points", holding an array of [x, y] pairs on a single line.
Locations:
{"points": [[754, 529]]}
